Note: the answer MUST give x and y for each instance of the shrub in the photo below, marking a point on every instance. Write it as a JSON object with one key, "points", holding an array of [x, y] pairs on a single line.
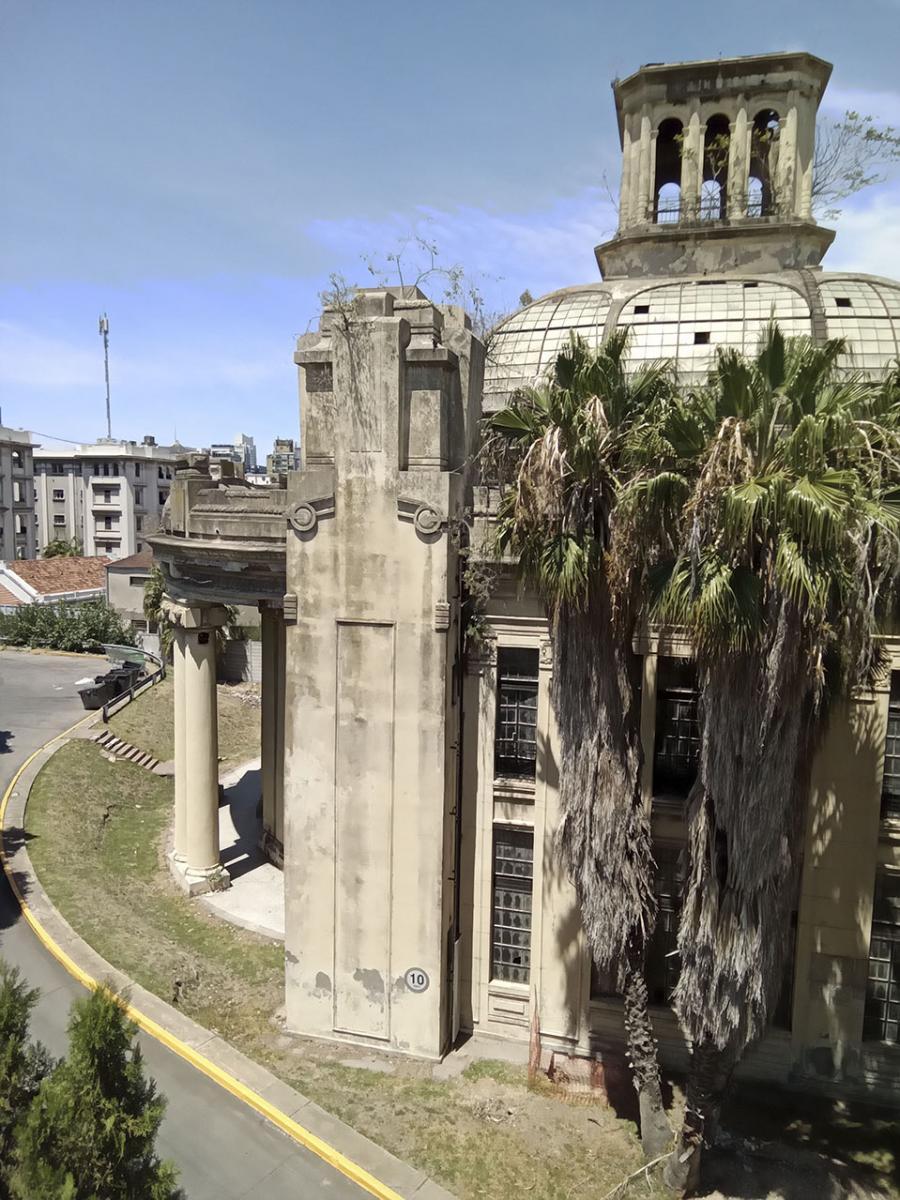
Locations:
{"points": [[78, 627], [22, 1065]]}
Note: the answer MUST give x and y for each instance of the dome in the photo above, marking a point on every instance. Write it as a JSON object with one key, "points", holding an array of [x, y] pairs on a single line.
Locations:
{"points": [[688, 319]]}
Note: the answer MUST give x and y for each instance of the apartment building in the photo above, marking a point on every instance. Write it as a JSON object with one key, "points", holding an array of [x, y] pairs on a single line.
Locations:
{"points": [[107, 495], [17, 521], [285, 457]]}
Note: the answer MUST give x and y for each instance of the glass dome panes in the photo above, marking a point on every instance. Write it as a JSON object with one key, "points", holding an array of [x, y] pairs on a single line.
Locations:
{"points": [[686, 322], [867, 316], [526, 345]]}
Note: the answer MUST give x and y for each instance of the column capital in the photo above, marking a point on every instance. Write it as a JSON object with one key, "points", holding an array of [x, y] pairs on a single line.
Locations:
{"points": [[195, 617]]}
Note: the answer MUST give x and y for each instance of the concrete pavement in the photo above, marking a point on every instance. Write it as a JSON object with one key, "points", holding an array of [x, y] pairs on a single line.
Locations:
{"points": [[223, 1149]]}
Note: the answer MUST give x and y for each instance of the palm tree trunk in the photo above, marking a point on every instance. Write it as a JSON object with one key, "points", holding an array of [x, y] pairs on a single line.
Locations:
{"points": [[710, 1073], [656, 1132]]}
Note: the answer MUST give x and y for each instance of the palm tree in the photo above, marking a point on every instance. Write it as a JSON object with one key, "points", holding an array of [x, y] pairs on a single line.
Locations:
{"points": [[781, 556], [563, 449]]}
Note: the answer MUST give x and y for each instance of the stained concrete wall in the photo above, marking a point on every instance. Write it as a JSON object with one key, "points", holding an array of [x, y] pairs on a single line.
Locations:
{"points": [[371, 724]]}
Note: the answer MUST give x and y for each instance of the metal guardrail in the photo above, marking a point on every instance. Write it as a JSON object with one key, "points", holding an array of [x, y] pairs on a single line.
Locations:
{"points": [[124, 698]]}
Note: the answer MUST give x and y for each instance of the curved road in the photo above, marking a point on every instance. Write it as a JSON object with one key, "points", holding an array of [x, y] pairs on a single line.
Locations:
{"points": [[223, 1149]]}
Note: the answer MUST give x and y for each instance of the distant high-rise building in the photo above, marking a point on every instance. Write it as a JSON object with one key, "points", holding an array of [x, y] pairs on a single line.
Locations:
{"points": [[284, 457], [107, 495], [17, 523], [242, 452]]}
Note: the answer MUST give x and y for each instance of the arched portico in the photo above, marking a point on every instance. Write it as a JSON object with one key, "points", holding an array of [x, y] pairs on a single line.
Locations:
{"points": [[222, 544]]}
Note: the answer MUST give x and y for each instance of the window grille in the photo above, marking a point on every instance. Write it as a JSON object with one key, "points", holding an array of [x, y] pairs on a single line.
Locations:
{"points": [[512, 893], [882, 1013], [890, 786], [663, 962], [677, 747], [515, 744]]}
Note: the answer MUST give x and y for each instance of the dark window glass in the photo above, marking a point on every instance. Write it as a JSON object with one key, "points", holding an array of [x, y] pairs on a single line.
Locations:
{"points": [[843, 302], [890, 786], [515, 744], [701, 337], [512, 891], [882, 1016], [677, 747]]}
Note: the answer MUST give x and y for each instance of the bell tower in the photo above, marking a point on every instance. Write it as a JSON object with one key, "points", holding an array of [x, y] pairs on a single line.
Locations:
{"points": [[717, 167]]}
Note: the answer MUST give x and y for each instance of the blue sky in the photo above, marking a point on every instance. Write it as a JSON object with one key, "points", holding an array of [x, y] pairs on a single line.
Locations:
{"points": [[198, 168]]}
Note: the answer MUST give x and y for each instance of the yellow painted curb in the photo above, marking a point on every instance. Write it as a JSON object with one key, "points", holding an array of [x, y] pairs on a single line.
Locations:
{"points": [[303, 1136]]}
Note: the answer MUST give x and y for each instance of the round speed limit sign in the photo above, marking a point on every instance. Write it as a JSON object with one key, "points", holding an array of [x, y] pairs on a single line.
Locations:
{"points": [[416, 979]]}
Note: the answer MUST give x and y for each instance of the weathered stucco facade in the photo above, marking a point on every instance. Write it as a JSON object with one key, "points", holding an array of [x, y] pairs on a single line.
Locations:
{"points": [[409, 784]]}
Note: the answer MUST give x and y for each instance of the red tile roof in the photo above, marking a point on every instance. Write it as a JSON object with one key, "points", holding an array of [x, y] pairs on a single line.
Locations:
{"points": [[6, 597], [48, 576], [143, 560]]}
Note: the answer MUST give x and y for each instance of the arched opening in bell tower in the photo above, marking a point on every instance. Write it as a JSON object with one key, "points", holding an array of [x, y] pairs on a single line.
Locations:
{"points": [[713, 190], [763, 157], [667, 200]]}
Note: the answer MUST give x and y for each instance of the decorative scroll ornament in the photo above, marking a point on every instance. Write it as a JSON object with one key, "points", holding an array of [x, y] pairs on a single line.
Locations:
{"points": [[427, 519], [303, 517]]}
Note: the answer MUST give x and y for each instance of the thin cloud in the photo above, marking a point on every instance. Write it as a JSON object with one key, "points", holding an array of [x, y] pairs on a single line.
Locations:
{"points": [[33, 360]]}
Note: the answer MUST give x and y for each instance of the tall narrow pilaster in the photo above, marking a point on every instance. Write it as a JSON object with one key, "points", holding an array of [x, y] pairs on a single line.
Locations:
{"points": [[269, 707], [691, 167], [738, 165], [180, 720]]}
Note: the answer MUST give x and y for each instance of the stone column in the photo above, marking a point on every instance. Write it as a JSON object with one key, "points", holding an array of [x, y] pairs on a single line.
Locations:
{"points": [[691, 167], [738, 165], [625, 190], [180, 721], [269, 707], [785, 183], [643, 202], [280, 659], [202, 753], [197, 745]]}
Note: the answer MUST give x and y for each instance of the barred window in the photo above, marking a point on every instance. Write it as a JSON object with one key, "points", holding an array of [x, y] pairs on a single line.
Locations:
{"points": [[890, 787], [511, 924], [515, 745], [663, 962], [882, 1015], [677, 747]]}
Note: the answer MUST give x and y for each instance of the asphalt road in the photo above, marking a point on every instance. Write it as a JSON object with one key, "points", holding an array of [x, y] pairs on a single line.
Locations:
{"points": [[223, 1149]]}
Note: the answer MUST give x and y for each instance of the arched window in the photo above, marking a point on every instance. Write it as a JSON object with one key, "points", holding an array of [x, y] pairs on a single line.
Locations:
{"points": [[755, 196], [667, 205], [711, 200], [763, 157], [715, 168]]}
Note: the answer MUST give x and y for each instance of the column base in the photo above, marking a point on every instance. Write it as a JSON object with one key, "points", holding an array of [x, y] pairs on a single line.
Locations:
{"points": [[272, 849], [198, 882]]}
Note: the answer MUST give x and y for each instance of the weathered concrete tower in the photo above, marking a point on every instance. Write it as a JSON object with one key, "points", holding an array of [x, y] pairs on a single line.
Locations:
{"points": [[717, 167], [390, 392]]}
